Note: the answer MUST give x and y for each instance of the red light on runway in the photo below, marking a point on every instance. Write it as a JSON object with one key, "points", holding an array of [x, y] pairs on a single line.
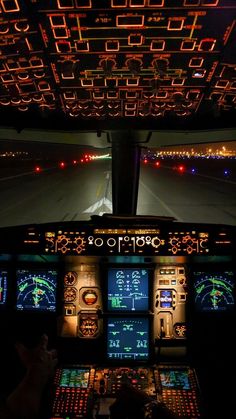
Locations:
{"points": [[181, 169], [74, 161], [62, 164], [145, 161], [37, 169], [157, 164]]}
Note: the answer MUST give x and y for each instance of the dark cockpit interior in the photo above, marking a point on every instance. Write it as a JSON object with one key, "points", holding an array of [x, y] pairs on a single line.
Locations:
{"points": [[128, 291]]}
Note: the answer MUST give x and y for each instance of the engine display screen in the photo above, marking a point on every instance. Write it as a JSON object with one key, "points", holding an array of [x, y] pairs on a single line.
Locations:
{"points": [[214, 291], [175, 379], [3, 287], [128, 339], [128, 289], [166, 298], [75, 377], [36, 289]]}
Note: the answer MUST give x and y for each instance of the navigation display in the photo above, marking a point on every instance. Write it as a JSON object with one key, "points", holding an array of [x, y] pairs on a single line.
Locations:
{"points": [[76, 377], [175, 379], [214, 291], [128, 339], [128, 289], [36, 289], [3, 287]]}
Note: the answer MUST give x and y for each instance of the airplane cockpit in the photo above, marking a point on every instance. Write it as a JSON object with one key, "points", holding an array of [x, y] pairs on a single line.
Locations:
{"points": [[132, 282]]}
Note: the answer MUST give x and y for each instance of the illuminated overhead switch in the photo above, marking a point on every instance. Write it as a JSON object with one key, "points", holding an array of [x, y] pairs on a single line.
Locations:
{"points": [[119, 3], [86, 82], [233, 85], [63, 46], [130, 106], [57, 20], [10, 6], [191, 2], [222, 84], [229, 98], [196, 62], [83, 4], [135, 39], [178, 82], [188, 45], [157, 45], [82, 46], [199, 74], [193, 94], [207, 44], [67, 70], [210, 3], [112, 45], [130, 113], [132, 82], [65, 4], [69, 95], [128, 21], [216, 96], [175, 23], [136, 3], [6, 78], [60, 33], [155, 3], [12, 65], [43, 85], [36, 62]]}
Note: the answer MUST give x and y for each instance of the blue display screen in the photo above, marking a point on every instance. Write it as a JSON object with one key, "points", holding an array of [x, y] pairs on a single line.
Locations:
{"points": [[128, 289], [214, 291], [128, 338], [3, 287], [175, 379], [36, 289]]}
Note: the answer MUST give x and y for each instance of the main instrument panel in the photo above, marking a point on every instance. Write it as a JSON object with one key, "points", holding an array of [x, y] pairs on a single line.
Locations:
{"points": [[133, 291]]}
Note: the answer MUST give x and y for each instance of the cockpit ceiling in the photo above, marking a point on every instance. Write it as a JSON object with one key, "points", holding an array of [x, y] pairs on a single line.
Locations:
{"points": [[97, 64]]}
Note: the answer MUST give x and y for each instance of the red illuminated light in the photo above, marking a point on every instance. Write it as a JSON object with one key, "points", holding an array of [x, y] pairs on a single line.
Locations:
{"points": [[62, 164], [181, 169], [37, 169]]}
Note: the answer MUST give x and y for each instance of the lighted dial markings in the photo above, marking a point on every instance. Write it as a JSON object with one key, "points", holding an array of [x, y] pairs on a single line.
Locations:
{"points": [[70, 278], [36, 290], [88, 326], [214, 291], [69, 294], [89, 297], [180, 330]]}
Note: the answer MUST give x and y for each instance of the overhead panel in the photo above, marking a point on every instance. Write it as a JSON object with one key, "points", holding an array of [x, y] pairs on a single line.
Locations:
{"points": [[113, 59]]}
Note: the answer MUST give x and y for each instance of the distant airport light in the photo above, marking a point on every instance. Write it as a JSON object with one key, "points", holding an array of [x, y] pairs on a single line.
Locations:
{"points": [[74, 161], [158, 164], [181, 169], [145, 161], [62, 164], [193, 170], [37, 169], [81, 160], [226, 172]]}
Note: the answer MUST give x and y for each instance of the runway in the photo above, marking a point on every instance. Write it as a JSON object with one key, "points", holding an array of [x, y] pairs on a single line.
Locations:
{"points": [[77, 192]]}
